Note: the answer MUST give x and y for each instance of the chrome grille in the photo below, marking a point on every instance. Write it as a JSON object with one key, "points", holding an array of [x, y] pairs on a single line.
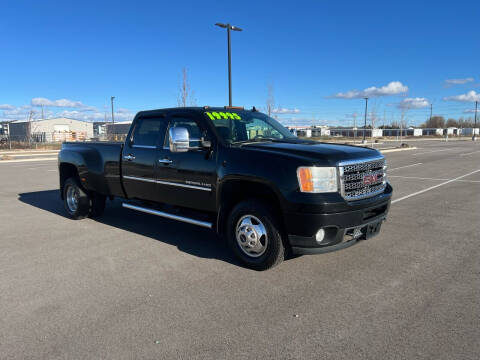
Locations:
{"points": [[354, 178]]}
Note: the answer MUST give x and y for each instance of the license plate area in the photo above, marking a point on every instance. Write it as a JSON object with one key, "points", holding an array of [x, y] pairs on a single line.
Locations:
{"points": [[372, 229], [363, 232]]}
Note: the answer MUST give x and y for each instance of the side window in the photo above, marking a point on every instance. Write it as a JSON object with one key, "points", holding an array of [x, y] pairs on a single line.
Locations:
{"points": [[194, 131], [147, 131]]}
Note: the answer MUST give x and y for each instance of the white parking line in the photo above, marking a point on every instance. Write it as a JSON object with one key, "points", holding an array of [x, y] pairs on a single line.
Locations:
{"points": [[470, 153], [401, 167], [434, 187], [434, 179], [28, 165], [432, 151]]}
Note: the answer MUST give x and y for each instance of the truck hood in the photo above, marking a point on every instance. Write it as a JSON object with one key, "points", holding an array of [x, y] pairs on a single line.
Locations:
{"points": [[316, 152]]}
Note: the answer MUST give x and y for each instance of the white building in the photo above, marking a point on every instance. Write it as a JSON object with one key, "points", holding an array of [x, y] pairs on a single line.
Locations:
{"points": [[51, 130], [377, 133], [470, 131]]}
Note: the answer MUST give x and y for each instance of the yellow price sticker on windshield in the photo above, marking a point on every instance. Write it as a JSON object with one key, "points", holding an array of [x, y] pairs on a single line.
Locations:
{"points": [[214, 115]]}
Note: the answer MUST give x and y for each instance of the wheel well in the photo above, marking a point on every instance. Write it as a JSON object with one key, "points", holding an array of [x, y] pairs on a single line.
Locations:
{"points": [[66, 171], [235, 191]]}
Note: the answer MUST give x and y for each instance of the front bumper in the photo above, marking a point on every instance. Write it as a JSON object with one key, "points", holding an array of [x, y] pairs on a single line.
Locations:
{"points": [[341, 229]]}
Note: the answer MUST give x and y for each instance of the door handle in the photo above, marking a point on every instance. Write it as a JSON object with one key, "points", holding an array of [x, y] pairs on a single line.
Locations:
{"points": [[129, 157], [165, 161]]}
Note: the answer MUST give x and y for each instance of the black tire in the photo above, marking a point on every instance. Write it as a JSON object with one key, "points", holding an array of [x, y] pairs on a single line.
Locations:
{"points": [[81, 208], [97, 205], [273, 247]]}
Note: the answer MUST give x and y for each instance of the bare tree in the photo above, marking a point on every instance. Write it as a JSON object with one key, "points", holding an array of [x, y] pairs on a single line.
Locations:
{"points": [[186, 95], [435, 122], [270, 100], [451, 123], [373, 112], [29, 126], [403, 120]]}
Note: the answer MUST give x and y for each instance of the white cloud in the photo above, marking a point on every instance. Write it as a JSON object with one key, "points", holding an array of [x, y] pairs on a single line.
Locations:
{"points": [[413, 103], [73, 109], [39, 101], [124, 115], [452, 82], [392, 88], [281, 110], [470, 96], [470, 111]]}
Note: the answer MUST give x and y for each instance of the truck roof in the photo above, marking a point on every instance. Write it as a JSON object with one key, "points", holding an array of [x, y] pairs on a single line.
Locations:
{"points": [[195, 109]]}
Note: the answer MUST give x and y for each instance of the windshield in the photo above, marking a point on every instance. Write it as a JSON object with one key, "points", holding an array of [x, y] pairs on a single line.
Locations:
{"points": [[247, 126]]}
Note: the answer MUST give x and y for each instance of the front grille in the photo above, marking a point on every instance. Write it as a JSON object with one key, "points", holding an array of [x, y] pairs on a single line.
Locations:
{"points": [[362, 179]]}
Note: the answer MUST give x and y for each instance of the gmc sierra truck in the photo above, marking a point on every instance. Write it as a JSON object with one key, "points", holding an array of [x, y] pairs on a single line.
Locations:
{"points": [[237, 172]]}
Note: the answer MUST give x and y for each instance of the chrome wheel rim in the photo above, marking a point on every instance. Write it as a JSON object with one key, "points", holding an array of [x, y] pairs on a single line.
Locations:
{"points": [[72, 199], [251, 236]]}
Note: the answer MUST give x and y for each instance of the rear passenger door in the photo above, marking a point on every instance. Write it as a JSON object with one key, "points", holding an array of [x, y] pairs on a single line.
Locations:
{"points": [[139, 157]]}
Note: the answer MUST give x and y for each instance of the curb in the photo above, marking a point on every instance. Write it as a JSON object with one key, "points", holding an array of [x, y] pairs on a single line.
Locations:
{"points": [[26, 160], [19, 152]]}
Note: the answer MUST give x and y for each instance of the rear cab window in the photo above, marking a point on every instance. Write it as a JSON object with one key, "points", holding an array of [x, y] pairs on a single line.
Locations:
{"points": [[148, 132]]}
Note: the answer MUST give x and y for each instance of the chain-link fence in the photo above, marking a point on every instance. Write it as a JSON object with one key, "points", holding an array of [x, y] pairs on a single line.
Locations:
{"points": [[35, 142]]}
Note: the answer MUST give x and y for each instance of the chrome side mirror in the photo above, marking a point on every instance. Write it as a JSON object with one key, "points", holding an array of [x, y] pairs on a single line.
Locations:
{"points": [[179, 139], [206, 143]]}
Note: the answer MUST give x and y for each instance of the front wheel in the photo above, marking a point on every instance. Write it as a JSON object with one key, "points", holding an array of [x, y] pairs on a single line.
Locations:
{"points": [[254, 235]]}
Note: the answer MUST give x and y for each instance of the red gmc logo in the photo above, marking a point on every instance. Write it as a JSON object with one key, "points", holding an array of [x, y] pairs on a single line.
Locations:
{"points": [[370, 179]]}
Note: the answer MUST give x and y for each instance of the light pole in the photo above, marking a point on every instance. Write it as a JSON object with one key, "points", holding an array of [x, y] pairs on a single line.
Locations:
{"points": [[111, 100], [474, 137], [234, 28], [365, 122]]}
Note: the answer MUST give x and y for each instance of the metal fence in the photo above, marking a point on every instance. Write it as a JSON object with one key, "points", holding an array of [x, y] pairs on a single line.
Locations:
{"points": [[383, 133]]}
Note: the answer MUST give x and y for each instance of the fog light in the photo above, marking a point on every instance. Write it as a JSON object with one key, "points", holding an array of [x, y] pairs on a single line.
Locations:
{"points": [[320, 235]]}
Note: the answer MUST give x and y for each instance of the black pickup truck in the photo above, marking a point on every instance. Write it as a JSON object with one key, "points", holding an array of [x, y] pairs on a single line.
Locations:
{"points": [[238, 172]]}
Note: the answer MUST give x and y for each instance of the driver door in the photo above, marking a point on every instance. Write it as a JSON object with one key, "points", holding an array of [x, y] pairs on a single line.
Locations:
{"points": [[188, 178]]}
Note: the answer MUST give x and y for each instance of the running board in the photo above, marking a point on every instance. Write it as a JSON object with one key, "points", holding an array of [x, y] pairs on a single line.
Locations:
{"points": [[168, 216]]}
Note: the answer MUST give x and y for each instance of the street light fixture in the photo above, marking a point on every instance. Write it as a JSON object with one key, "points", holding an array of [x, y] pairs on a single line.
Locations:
{"points": [[234, 28]]}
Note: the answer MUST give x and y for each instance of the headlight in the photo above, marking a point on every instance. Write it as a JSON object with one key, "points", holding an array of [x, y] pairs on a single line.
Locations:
{"points": [[317, 179]]}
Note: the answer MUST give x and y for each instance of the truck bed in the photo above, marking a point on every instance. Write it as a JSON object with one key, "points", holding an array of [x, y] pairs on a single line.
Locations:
{"points": [[102, 160]]}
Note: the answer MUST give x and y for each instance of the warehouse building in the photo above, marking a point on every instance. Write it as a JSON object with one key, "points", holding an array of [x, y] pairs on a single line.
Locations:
{"points": [[51, 130], [118, 128]]}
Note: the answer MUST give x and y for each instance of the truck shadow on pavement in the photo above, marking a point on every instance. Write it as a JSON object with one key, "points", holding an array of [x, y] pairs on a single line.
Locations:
{"points": [[188, 238]]}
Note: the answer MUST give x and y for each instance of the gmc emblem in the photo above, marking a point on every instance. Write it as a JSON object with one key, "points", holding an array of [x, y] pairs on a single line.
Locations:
{"points": [[370, 179]]}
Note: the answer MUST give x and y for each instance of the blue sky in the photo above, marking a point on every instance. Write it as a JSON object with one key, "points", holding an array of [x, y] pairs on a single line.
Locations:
{"points": [[320, 57]]}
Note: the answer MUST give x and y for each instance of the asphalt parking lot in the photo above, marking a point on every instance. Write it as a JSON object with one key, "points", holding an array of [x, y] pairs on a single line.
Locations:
{"points": [[131, 285]]}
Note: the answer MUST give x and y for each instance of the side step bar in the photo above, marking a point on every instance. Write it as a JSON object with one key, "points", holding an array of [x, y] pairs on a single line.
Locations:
{"points": [[168, 216]]}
